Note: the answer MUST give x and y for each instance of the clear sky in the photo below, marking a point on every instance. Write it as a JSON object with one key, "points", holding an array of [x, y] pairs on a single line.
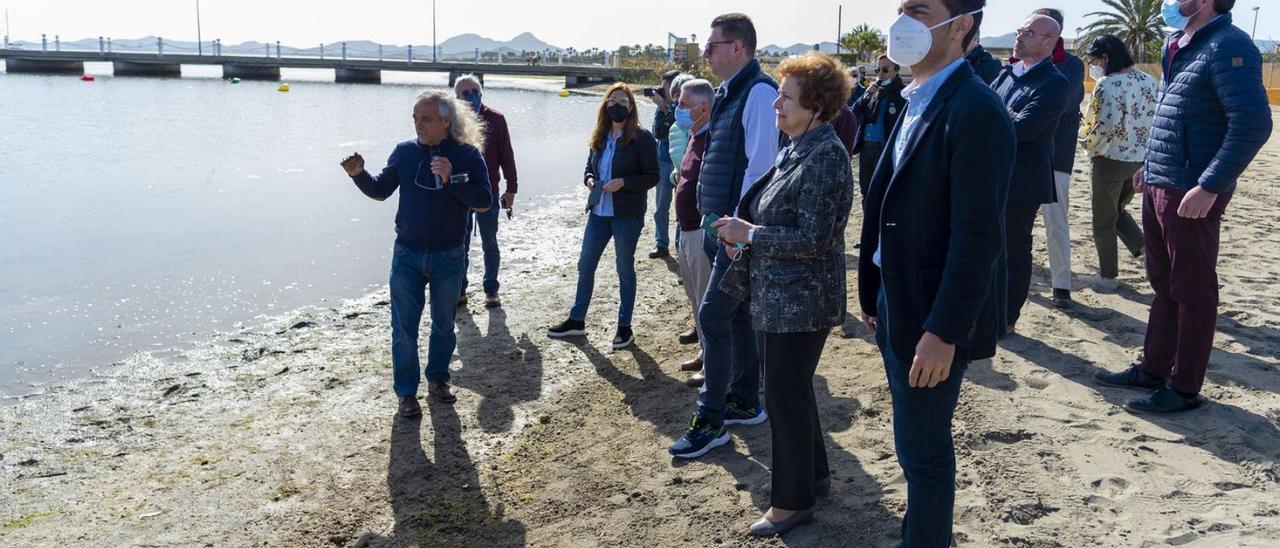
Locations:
{"points": [[565, 23]]}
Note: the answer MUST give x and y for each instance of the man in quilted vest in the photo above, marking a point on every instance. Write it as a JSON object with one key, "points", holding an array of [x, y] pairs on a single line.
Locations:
{"points": [[1212, 120], [742, 144]]}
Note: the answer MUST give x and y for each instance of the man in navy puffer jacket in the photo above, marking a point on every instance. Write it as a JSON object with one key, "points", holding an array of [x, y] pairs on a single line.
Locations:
{"points": [[1212, 120]]}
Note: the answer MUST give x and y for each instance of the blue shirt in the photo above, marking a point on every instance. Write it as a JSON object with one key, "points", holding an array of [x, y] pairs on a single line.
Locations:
{"points": [[760, 130], [430, 219], [604, 174], [875, 131], [918, 95]]}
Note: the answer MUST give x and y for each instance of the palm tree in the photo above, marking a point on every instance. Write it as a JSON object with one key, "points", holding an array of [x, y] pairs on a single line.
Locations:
{"points": [[863, 41], [1137, 23]]}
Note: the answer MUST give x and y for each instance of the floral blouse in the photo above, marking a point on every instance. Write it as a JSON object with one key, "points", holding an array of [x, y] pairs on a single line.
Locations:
{"points": [[1118, 121]]}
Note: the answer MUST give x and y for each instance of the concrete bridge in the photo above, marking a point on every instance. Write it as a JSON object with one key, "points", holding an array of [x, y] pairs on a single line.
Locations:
{"points": [[268, 67]]}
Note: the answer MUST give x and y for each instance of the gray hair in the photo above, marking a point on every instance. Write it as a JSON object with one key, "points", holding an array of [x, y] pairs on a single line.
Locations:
{"points": [[464, 125], [678, 83], [467, 78], [699, 89]]}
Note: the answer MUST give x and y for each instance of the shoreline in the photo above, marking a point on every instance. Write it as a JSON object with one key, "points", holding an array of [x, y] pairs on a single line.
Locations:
{"points": [[286, 435]]}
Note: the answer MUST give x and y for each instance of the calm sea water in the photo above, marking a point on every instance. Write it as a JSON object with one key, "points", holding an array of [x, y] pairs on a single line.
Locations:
{"points": [[138, 214]]}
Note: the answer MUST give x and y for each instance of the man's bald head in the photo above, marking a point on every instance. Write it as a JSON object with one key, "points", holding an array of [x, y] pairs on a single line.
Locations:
{"points": [[1046, 24], [1037, 37]]}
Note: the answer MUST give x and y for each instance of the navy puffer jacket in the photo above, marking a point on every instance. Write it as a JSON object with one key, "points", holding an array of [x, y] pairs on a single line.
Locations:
{"points": [[1213, 116]]}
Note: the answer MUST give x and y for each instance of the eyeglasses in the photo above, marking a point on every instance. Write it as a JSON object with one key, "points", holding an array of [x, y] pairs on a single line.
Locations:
{"points": [[712, 45], [1026, 31], [618, 101], [885, 70]]}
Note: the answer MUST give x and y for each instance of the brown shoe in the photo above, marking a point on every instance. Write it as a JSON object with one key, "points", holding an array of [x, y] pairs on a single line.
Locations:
{"points": [[441, 391], [692, 365], [409, 406], [696, 380]]}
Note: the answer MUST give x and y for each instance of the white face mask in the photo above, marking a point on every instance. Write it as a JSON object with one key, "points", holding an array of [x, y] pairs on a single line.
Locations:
{"points": [[910, 40], [1096, 72]]}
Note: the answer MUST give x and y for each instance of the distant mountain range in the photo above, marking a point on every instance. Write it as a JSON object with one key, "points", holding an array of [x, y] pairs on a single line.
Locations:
{"points": [[799, 49], [462, 46], [469, 43]]}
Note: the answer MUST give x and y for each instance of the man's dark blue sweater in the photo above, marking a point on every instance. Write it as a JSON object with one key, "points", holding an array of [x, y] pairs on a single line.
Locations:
{"points": [[430, 220]]}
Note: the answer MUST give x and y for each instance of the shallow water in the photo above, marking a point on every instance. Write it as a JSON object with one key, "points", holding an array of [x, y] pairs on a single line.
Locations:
{"points": [[140, 213]]}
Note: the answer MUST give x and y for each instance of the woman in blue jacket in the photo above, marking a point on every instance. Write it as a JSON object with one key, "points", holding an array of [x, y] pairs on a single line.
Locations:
{"points": [[622, 165]]}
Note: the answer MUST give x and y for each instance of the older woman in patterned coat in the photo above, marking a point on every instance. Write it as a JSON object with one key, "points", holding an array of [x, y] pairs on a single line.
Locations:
{"points": [[790, 250]]}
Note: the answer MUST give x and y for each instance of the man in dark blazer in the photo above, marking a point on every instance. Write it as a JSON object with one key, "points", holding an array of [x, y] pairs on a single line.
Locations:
{"points": [[1057, 225], [931, 244], [1035, 94]]}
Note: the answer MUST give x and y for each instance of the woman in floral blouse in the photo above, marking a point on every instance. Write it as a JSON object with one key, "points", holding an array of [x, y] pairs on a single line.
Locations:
{"points": [[1115, 131]]}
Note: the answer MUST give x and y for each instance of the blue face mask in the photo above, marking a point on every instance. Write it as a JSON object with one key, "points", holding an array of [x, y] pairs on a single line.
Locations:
{"points": [[684, 118], [473, 98], [1172, 12]]}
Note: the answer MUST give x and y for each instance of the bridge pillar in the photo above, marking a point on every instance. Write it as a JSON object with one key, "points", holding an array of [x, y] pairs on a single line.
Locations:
{"points": [[132, 68], [572, 81], [251, 72], [453, 77], [344, 75], [43, 66]]}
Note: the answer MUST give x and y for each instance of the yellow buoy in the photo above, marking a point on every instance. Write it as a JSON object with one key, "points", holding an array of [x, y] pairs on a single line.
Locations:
{"points": [[564, 93], [284, 87]]}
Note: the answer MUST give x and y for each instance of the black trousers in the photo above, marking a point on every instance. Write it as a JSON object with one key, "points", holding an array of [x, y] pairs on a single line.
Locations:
{"points": [[799, 452], [867, 160], [1019, 221]]}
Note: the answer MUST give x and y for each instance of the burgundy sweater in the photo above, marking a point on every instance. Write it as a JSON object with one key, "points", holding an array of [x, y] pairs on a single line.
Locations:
{"points": [[687, 216], [497, 149]]}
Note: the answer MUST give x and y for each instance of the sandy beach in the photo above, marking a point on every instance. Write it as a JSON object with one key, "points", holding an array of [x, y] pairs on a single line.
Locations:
{"points": [[284, 434]]}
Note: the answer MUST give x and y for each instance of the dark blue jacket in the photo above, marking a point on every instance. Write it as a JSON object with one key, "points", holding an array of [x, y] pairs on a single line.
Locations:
{"points": [[636, 163], [983, 64], [430, 220], [724, 164], [1035, 101], [1213, 116], [1064, 142], [940, 220]]}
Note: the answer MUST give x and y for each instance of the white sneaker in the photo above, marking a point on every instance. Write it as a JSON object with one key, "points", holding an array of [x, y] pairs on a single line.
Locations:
{"points": [[1101, 283]]}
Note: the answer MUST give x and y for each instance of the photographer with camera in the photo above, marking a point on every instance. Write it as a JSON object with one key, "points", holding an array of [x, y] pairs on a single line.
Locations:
{"points": [[663, 118]]}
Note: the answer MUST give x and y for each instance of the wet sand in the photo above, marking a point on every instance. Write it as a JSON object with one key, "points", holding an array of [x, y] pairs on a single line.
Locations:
{"points": [[284, 434]]}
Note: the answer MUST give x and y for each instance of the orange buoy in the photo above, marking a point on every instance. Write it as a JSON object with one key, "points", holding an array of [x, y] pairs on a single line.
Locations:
{"points": [[87, 78]]}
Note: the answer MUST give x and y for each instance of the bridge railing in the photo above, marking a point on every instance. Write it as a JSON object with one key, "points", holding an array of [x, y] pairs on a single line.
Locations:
{"points": [[362, 51]]}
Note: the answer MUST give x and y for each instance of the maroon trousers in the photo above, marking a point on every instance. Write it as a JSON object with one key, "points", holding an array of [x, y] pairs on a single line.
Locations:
{"points": [[1182, 266]]}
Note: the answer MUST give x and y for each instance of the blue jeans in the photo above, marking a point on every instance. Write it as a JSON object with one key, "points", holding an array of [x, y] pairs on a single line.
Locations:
{"points": [[662, 200], [732, 362], [487, 223], [412, 273], [922, 439], [625, 232]]}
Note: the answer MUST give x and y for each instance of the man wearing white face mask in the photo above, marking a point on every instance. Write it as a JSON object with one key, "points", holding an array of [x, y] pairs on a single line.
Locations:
{"points": [[931, 240]]}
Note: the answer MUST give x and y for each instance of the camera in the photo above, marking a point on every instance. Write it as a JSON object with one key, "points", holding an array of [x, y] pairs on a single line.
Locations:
{"points": [[650, 92]]}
